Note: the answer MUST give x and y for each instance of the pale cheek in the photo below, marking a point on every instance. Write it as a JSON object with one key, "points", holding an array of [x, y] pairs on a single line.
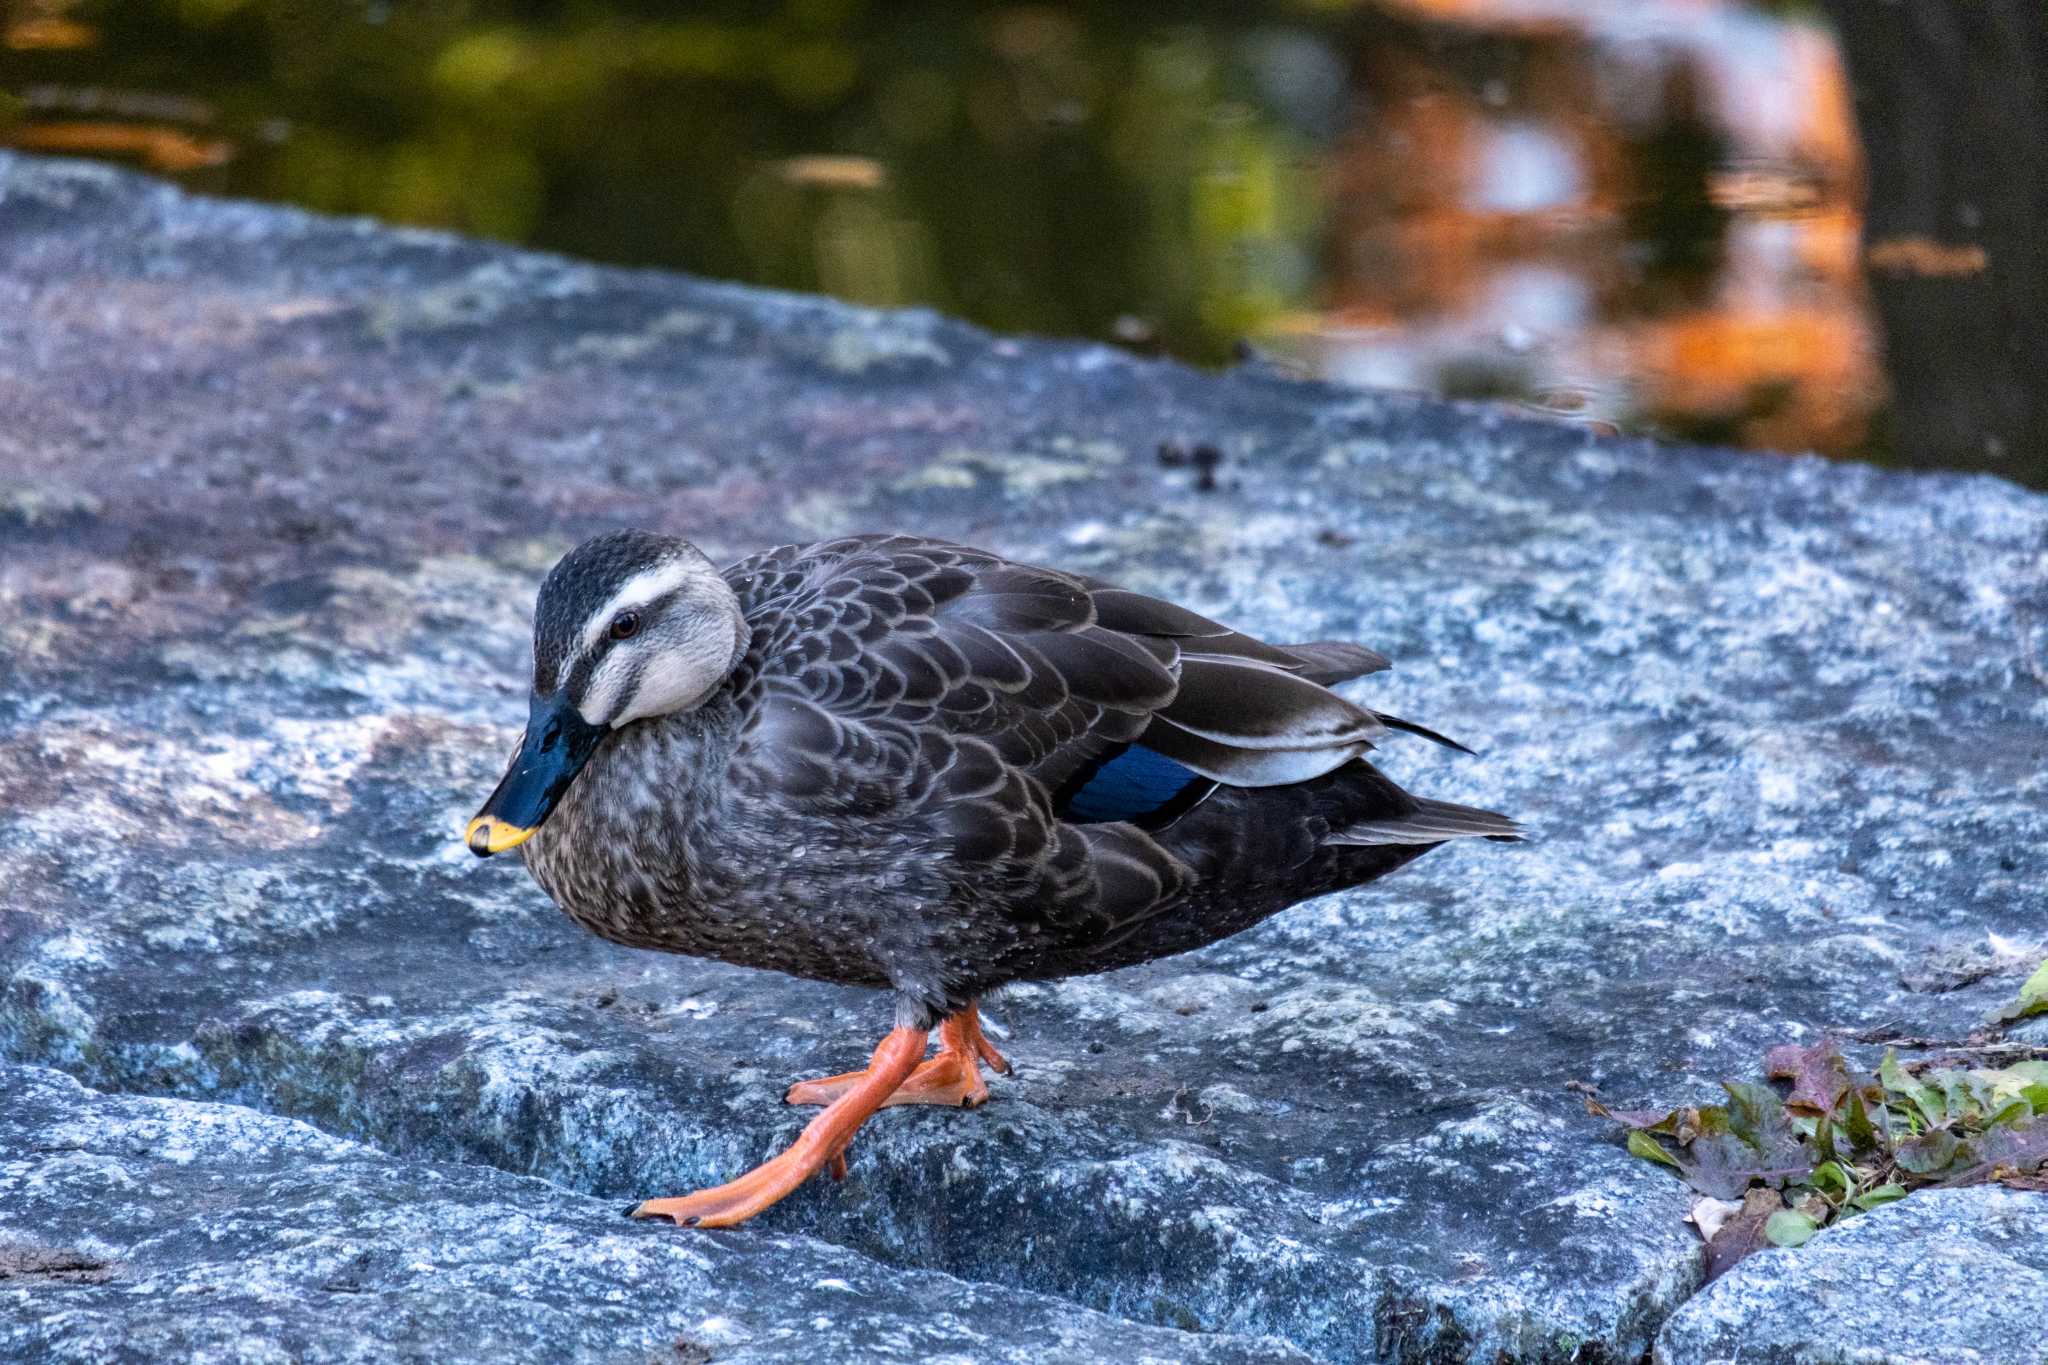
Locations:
{"points": [[670, 683], [601, 696]]}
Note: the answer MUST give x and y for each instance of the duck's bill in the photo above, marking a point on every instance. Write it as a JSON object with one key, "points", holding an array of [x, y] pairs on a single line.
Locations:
{"points": [[556, 745]]}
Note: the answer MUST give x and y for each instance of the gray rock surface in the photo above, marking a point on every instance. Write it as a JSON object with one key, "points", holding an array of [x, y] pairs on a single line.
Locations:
{"points": [[1948, 1277], [155, 1230], [280, 490]]}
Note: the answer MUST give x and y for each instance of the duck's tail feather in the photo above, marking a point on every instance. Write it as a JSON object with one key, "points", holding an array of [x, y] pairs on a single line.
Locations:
{"points": [[1431, 822], [1330, 662], [1410, 727]]}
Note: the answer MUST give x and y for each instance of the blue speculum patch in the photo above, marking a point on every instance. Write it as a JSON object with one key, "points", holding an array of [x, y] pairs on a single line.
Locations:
{"points": [[1133, 785]]}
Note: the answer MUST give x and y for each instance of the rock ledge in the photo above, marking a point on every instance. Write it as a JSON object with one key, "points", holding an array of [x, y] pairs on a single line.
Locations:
{"points": [[279, 492]]}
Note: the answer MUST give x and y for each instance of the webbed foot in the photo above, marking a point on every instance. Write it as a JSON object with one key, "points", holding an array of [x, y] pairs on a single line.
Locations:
{"points": [[951, 1078], [822, 1143]]}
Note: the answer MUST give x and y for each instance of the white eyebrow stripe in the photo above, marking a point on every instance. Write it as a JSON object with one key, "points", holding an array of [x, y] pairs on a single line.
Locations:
{"points": [[637, 591]]}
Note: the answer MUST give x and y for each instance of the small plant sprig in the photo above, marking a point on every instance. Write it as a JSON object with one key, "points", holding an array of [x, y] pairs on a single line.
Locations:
{"points": [[2033, 999], [1776, 1168]]}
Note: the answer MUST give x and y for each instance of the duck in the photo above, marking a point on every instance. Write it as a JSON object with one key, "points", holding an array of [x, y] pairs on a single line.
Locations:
{"points": [[895, 762]]}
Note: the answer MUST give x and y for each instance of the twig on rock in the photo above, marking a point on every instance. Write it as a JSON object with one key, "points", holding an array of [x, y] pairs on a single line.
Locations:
{"points": [[1975, 1043]]}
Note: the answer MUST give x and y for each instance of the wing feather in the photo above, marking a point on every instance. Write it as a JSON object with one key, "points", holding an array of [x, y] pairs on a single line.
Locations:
{"points": [[1015, 597], [1053, 669], [1122, 672], [1330, 662], [1237, 766], [1251, 705], [916, 680]]}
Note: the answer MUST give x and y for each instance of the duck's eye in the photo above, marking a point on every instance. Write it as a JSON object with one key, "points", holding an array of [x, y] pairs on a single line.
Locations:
{"points": [[625, 625]]}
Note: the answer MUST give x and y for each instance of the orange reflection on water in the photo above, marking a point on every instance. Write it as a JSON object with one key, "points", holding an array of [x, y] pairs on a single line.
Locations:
{"points": [[1925, 257], [44, 26], [170, 150], [1652, 218], [31, 33]]}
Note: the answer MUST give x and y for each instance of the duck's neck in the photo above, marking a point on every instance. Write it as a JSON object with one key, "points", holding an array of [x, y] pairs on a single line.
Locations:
{"points": [[635, 819]]}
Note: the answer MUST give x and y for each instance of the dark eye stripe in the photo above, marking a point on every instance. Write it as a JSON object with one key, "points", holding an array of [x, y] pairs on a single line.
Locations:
{"points": [[586, 663], [630, 687], [579, 674], [642, 614]]}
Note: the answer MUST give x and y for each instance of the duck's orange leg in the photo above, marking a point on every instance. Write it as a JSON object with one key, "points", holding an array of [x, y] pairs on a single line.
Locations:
{"points": [[823, 1141], [951, 1078]]}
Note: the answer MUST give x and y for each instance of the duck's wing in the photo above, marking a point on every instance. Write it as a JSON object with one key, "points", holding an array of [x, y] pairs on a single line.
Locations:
{"points": [[1036, 721], [882, 669], [890, 639]]}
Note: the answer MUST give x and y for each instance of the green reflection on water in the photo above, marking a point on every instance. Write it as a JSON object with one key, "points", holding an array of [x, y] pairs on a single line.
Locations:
{"points": [[1176, 177], [1036, 169]]}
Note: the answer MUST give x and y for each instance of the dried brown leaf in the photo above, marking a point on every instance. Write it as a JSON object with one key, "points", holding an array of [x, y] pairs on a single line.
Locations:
{"points": [[2010, 1151], [1742, 1233], [1819, 1075]]}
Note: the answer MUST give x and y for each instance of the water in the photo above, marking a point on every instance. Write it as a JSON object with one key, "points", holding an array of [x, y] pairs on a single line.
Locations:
{"points": [[1634, 214]]}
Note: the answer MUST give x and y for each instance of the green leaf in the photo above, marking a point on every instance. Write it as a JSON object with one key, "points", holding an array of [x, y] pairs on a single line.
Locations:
{"points": [[1883, 1194], [1711, 1158], [2033, 998], [1831, 1173], [1789, 1228], [1961, 1097], [2013, 1112], [1647, 1147], [1725, 1166], [2027, 1081], [1709, 1119], [1754, 1112], [1723, 1151], [1943, 1125], [1823, 1138], [1896, 1079], [1758, 1117], [1857, 1125], [2004, 1083]]}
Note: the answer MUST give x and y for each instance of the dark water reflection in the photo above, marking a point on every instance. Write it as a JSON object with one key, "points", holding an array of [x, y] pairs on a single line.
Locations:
{"points": [[1635, 213]]}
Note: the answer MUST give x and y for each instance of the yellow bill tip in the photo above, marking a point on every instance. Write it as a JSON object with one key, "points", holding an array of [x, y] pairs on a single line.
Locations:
{"points": [[486, 836]]}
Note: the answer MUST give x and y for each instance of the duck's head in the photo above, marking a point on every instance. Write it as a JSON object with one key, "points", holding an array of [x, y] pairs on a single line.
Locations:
{"points": [[628, 625]]}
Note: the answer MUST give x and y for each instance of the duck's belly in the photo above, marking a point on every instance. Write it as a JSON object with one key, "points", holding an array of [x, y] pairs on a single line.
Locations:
{"points": [[808, 901]]}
